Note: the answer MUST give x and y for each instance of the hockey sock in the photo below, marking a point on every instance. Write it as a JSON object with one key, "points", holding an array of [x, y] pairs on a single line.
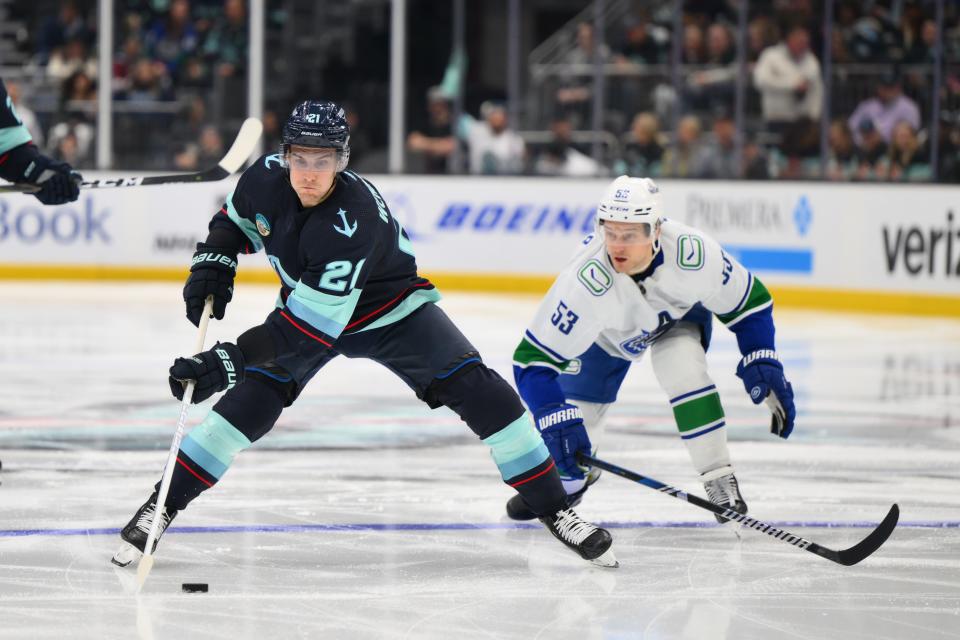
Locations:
{"points": [[204, 456], [526, 465], [700, 420], [241, 417]]}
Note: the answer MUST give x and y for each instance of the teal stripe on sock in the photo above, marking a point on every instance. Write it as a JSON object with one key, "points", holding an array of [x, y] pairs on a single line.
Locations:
{"points": [[219, 439], [515, 445], [524, 463], [199, 455]]}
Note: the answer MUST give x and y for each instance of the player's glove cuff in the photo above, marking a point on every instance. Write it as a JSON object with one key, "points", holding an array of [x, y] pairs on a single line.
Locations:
{"points": [[211, 257]]}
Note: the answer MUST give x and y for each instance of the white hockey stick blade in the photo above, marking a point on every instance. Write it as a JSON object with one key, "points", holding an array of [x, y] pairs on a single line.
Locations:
{"points": [[243, 146]]}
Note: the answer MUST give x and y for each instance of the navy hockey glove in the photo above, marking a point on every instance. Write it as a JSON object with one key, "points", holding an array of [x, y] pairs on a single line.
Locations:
{"points": [[562, 430], [763, 378], [58, 182], [218, 369], [211, 274]]}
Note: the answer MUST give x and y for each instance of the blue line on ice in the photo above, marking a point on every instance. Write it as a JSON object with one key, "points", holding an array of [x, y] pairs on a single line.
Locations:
{"points": [[460, 526]]}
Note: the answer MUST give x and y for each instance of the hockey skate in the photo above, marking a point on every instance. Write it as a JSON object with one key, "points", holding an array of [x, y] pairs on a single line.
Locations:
{"points": [[135, 534], [723, 490], [517, 508], [591, 542]]}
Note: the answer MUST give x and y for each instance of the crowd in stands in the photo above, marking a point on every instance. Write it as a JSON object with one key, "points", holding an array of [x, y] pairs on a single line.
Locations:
{"points": [[170, 55], [879, 111]]}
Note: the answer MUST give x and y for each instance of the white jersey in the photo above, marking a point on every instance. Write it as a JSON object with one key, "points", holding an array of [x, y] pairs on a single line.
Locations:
{"points": [[591, 303]]}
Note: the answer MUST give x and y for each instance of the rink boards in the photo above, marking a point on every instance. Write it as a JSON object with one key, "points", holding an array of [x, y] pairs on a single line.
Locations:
{"points": [[855, 247]]}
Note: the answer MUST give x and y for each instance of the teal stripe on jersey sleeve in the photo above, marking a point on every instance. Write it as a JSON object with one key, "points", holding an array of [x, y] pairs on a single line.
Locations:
{"points": [[11, 137], [412, 302], [323, 311], [247, 226]]}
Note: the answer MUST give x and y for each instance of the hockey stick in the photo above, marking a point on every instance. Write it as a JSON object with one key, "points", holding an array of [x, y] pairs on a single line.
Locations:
{"points": [[146, 560], [846, 557], [243, 146]]}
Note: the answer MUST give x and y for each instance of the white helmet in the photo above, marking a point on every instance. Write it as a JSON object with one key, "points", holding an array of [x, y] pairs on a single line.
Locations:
{"points": [[633, 200]]}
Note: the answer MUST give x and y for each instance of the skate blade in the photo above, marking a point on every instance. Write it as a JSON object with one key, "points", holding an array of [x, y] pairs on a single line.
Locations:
{"points": [[125, 555], [606, 559]]}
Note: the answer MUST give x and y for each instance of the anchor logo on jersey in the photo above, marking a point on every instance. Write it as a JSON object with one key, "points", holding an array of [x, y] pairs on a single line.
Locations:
{"points": [[347, 229], [273, 157]]}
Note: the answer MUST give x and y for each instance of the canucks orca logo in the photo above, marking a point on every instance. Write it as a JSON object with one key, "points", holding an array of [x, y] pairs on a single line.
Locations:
{"points": [[263, 225]]}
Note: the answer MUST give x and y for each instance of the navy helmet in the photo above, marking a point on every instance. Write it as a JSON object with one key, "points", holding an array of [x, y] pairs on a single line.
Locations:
{"points": [[317, 123]]}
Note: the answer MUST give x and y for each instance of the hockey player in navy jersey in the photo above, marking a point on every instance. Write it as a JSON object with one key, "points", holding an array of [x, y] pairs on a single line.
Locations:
{"points": [[21, 161], [644, 283], [348, 286]]}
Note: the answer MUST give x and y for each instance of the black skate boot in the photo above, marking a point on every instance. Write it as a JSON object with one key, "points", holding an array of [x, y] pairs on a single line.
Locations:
{"points": [[517, 508], [591, 542], [135, 534], [723, 490]]}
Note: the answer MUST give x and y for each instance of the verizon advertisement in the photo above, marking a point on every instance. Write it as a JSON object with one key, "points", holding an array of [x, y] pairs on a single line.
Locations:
{"points": [[864, 237]]}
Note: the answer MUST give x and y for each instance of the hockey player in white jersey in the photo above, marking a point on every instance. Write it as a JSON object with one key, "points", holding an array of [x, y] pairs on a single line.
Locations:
{"points": [[642, 282]]}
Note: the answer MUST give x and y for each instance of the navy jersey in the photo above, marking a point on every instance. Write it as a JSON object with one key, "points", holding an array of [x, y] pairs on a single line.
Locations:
{"points": [[12, 132], [345, 265]]}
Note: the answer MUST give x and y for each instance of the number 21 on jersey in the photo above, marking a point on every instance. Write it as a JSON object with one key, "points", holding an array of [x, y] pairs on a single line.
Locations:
{"points": [[335, 275]]}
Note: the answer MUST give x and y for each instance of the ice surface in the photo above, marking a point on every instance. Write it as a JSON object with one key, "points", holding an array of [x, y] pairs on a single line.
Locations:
{"points": [[365, 515]]}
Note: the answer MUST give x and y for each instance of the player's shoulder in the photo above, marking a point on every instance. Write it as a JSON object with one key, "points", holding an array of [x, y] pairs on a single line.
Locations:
{"points": [[588, 273], [263, 176], [356, 193], [687, 249]]}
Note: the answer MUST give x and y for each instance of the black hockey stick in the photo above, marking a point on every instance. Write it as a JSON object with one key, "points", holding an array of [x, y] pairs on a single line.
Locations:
{"points": [[847, 557], [243, 146]]}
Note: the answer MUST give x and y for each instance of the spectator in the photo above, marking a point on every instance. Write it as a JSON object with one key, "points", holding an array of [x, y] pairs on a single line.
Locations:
{"points": [[908, 160], [679, 158], [711, 89], [720, 49], [271, 131], [922, 49], [78, 93], [435, 143], [561, 157], [694, 50], [76, 126], [492, 147], [642, 152], [57, 31], [871, 153], [26, 114], [174, 38], [888, 108], [205, 152], [761, 34], [644, 43], [70, 58], [842, 159], [573, 97], [718, 159], [149, 82], [756, 164], [788, 78], [226, 44]]}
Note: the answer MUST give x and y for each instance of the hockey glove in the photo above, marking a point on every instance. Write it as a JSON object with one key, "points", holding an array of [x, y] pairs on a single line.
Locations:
{"points": [[763, 378], [561, 427], [58, 182], [211, 274], [218, 369]]}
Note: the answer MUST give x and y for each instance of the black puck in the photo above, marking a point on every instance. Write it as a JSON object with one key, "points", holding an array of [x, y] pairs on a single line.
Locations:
{"points": [[195, 587]]}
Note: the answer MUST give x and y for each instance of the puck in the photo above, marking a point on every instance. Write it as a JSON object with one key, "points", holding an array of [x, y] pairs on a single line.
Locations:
{"points": [[194, 587]]}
